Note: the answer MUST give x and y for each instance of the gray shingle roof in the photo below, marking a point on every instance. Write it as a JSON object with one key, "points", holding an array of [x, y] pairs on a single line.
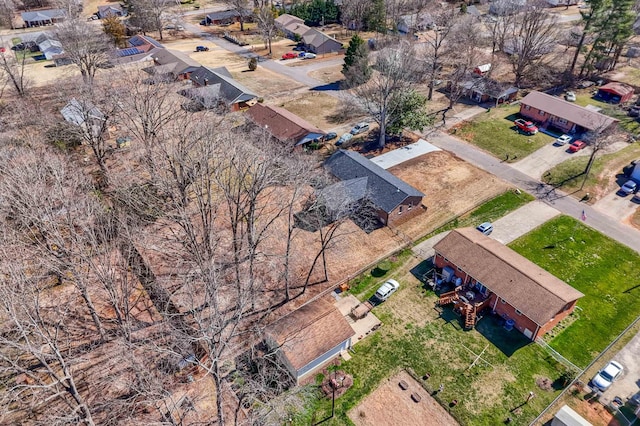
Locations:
{"points": [[231, 90], [340, 195], [385, 190], [43, 15]]}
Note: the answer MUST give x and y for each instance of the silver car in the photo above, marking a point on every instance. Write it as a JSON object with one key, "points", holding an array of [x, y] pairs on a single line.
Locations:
{"points": [[610, 373], [387, 289]]}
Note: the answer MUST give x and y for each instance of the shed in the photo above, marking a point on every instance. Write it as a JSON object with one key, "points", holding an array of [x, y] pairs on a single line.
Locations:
{"points": [[615, 93], [567, 417], [309, 338], [482, 69]]}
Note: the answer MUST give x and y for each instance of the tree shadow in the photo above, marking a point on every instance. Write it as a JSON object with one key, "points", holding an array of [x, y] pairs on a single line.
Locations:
{"points": [[335, 86]]}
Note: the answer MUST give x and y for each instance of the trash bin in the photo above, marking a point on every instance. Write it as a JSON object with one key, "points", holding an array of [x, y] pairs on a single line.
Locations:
{"points": [[508, 325]]}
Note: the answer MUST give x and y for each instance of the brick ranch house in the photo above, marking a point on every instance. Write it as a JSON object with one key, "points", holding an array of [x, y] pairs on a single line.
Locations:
{"points": [[309, 338], [551, 112], [360, 178], [490, 275]]}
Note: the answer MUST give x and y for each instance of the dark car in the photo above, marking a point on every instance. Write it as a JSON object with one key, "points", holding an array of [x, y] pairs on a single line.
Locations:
{"points": [[330, 136], [202, 49]]}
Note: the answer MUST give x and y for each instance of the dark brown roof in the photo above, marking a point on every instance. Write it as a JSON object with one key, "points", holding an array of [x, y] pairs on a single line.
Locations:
{"points": [[310, 332], [527, 287], [282, 124], [569, 111]]}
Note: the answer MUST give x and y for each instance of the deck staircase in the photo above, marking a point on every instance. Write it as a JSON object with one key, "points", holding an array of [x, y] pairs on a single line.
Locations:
{"points": [[447, 298], [469, 317]]}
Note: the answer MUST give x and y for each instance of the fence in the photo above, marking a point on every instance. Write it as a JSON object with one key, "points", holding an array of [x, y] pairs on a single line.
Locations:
{"points": [[558, 357]]}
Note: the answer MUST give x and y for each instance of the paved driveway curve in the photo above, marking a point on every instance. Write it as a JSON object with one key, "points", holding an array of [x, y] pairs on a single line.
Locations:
{"points": [[406, 153]]}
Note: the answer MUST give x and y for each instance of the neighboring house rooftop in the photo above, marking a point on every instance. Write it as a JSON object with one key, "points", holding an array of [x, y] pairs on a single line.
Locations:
{"points": [[110, 9], [316, 38], [227, 14], [617, 88], [286, 19], [536, 293], [489, 87], [282, 124], [232, 91], [569, 111], [50, 47], [385, 190], [144, 42], [43, 15], [76, 112], [309, 332], [174, 62]]}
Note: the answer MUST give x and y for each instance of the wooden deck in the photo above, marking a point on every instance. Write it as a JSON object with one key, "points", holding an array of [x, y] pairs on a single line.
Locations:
{"points": [[467, 302]]}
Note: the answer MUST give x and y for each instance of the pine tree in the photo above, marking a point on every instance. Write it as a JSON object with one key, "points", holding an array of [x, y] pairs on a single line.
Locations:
{"points": [[356, 67]]}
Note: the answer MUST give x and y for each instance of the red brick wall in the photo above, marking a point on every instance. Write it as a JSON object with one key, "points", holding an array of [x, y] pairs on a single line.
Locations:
{"points": [[409, 209], [543, 118], [504, 309]]}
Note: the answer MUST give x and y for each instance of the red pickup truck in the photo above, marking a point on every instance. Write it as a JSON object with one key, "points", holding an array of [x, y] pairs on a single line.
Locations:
{"points": [[526, 126]]}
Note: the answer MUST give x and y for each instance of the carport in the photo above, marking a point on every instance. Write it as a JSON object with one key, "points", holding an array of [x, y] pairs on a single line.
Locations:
{"points": [[615, 93]]}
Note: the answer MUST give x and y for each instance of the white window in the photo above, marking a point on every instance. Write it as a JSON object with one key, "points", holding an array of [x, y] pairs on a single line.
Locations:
{"points": [[518, 312], [502, 301], [410, 206], [561, 121], [459, 270], [527, 107], [542, 113], [400, 210]]}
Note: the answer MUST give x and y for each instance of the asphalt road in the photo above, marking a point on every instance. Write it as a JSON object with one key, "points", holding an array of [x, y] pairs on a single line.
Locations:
{"points": [[559, 200]]}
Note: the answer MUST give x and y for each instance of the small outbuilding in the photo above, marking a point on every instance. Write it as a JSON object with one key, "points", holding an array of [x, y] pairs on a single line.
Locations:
{"points": [[615, 93], [309, 338], [482, 69], [567, 417]]}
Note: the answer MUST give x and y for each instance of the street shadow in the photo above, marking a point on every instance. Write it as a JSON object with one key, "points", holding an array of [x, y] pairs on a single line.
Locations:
{"points": [[508, 342], [335, 86]]}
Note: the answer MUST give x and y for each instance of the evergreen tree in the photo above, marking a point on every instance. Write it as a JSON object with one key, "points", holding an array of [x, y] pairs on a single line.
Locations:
{"points": [[356, 67]]}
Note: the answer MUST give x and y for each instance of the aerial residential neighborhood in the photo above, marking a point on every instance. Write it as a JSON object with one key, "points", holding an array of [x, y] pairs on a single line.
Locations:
{"points": [[369, 213]]}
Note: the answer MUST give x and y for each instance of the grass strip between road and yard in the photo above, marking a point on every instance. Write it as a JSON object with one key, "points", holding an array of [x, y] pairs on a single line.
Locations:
{"points": [[569, 175], [495, 132], [605, 271]]}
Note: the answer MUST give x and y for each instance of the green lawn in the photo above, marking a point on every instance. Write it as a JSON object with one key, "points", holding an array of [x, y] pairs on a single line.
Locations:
{"points": [[487, 392], [604, 270], [569, 174], [495, 132]]}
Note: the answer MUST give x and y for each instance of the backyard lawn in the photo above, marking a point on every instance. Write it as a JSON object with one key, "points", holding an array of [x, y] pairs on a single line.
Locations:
{"points": [[495, 132], [569, 174], [415, 336], [604, 270]]}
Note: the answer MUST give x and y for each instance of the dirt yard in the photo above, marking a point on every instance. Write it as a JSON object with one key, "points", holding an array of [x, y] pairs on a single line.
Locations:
{"points": [[390, 405], [316, 107], [451, 187], [328, 74]]}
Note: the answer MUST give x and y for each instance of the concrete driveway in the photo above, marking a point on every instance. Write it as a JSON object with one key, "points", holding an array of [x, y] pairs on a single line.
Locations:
{"points": [[616, 206], [629, 383], [521, 221], [505, 229], [406, 153], [547, 157]]}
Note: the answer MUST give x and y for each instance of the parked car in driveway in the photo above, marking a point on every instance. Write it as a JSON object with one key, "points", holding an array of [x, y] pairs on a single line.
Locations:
{"points": [[576, 146], [570, 96], [289, 55], [387, 289], [586, 83], [607, 375], [486, 228], [526, 126], [629, 187], [202, 49], [563, 140], [308, 55], [344, 138], [330, 136], [359, 128]]}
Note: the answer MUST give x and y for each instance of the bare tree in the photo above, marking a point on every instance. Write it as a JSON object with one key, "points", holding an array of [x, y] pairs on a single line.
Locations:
{"points": [[396, 71], [12, 69], [241, 8], [532, 35], [267, 25], [354, 12], [444, 21], [86, 46], [597, 140], [149, 14], [7, 11]]}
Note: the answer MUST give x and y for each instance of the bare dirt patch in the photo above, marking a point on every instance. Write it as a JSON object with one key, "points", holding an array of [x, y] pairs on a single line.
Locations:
{"points": [[451, 187], [315, 107], [593, 412], [328, 74], [391, 405]]}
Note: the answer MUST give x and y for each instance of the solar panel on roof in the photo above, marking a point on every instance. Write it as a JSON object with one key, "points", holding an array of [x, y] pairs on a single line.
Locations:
{"points": [[154, 42], [136, 41], [128, 51]]}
